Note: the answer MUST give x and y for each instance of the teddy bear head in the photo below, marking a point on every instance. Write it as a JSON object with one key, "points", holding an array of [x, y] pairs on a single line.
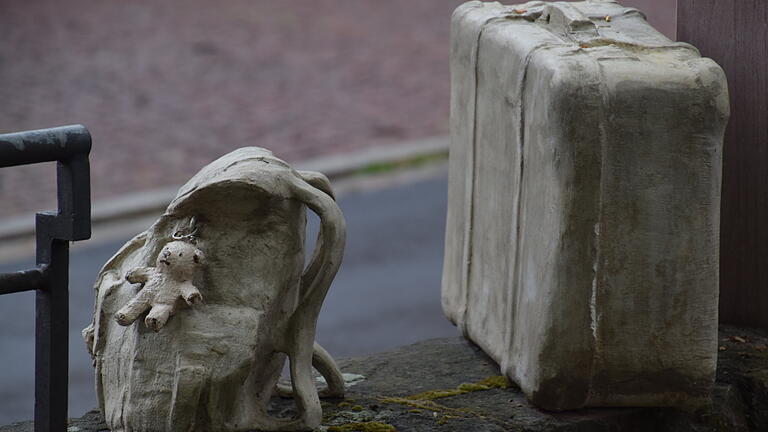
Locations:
{"points": [[179, 257]]}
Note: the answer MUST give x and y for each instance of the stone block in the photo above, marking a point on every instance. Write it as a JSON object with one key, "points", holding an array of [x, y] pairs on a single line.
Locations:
{"points": [[584, 196], [451, 385]]}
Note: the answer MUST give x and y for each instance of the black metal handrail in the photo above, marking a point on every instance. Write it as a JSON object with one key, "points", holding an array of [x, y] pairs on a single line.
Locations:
{"points": [[69, 146]]}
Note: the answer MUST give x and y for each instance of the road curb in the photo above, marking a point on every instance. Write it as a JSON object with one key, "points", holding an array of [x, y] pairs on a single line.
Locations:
{"points": [[335, 167]]}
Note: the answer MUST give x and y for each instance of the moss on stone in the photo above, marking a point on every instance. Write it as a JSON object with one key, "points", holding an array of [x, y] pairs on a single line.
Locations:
{"points": [[436, 394], [363, 427], [421, 402], [486, 384], [444, 419], [427, 405], [499, 381], [426, 401]]}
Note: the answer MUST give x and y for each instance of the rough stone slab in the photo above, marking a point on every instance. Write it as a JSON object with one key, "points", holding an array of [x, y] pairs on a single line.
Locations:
{"points": [[90, 422], [740, 401], [582, 227]]}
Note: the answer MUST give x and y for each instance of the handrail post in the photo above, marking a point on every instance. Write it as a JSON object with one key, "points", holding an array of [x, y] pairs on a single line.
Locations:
{"points": [[69, 146]]}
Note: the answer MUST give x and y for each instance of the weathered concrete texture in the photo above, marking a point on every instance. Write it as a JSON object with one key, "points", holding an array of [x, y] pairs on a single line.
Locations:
{"points": [[402, 392], [231, 246], [583, 205], [90, 422]]}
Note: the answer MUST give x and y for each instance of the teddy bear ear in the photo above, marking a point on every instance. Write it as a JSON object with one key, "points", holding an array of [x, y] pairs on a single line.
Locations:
{"points": [[198, 257]]}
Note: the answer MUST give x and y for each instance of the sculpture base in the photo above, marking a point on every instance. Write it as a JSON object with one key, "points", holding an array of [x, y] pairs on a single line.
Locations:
{"points": [[419, 388]]}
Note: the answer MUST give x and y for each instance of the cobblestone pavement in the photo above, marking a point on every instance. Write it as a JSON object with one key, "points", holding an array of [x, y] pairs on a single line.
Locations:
{"points": [[166, 86]]}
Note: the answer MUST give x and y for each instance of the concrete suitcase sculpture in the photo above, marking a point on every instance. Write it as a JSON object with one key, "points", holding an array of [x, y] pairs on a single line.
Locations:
{"points": [[231, 247], [584, 195]]}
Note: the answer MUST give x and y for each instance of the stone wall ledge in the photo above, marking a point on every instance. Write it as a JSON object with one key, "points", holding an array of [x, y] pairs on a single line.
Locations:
{"points": [[450, 385]]}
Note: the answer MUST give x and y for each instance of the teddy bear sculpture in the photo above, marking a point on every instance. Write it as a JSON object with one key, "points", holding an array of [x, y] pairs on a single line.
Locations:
{"points": [[163, 285], [195, 317]]}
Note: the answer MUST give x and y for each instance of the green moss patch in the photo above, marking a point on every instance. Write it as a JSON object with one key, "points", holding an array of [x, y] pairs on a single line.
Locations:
{"points": [[426, 401], [363, 427], [486, 384]]}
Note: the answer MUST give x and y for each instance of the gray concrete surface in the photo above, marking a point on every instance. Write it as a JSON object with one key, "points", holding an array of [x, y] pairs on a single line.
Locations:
{"points": [[387, 293], [423, 387]]}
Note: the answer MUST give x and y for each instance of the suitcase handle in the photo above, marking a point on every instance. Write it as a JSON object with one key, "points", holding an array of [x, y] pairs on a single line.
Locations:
{"points": [[566, 19]]}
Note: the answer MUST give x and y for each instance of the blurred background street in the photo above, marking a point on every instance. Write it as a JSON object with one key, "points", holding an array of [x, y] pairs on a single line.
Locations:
{"points": [[166, 87]]}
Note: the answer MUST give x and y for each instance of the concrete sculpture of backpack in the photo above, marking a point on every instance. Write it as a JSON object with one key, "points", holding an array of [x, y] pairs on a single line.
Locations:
{"points": [[221, 279]]}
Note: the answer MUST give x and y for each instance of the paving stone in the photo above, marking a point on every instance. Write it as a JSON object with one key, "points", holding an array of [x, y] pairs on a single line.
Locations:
{"points": [[166, 87], [402, 390]]}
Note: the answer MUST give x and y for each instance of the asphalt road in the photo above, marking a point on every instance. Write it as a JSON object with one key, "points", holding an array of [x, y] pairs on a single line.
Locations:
{"points": [[386, 294]]}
